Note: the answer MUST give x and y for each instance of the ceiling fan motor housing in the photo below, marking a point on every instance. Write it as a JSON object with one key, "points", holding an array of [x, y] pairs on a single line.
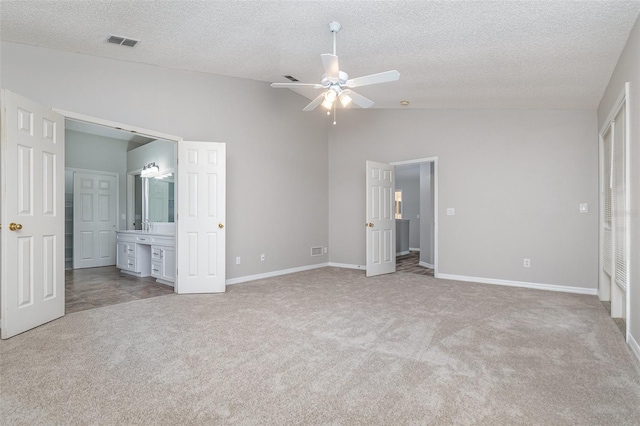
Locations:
{"points": [[342, 79]]}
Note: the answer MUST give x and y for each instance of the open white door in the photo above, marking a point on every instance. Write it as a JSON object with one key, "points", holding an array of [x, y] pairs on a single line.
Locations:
{"points": [[94, 220], [32, 236], [201, 217], [381, 224]]}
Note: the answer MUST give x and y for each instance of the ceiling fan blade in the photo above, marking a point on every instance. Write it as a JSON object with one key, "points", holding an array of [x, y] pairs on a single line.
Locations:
{"points": [[314, 103], [331, 68], [360, 100], [382, 77], [296, 85]]}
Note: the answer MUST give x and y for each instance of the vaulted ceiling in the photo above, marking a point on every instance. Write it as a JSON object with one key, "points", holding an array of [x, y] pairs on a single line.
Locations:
{"points": [[468, 54]]}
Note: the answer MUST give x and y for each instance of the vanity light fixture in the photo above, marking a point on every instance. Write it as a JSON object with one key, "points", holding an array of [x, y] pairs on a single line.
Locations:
{"points": [[150, 170]]}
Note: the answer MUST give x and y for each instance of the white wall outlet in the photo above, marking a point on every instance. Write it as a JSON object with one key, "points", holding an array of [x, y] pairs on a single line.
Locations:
{"points": [[527, 263], [262, 257], [417, 216], [451, 211], [124, 216], [238, 260], [326, 250], [584, 208]]}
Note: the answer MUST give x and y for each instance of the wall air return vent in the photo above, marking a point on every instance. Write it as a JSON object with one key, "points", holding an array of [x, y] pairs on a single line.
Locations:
{"points": [[122, 41], [316, 251]]}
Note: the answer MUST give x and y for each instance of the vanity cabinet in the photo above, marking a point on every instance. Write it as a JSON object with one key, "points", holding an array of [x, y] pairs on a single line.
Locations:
{"points": [[145, 254], [131, 257], [163, 259]]}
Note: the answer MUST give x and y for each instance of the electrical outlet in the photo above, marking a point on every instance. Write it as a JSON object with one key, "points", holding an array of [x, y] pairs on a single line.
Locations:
{"points": [[262, 257], [451, 211], [238, 260], [527, 263], [326, 249]]}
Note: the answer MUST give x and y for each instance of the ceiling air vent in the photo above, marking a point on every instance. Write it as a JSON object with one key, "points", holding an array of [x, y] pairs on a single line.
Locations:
{"points": [[288, 77], [122, 41]]}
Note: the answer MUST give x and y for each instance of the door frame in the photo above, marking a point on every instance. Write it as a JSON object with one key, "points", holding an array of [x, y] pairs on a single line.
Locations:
{"points": [[434, 160], [605, 291], [129, 128]]}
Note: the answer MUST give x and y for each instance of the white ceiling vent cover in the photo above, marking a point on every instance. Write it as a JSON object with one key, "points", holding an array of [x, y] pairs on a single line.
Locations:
{"points": [[122, 41]]}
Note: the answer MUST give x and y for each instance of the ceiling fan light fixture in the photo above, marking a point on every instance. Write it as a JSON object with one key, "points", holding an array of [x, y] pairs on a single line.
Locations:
{"points": [[345, 99], [327, 104], [330, 96]]}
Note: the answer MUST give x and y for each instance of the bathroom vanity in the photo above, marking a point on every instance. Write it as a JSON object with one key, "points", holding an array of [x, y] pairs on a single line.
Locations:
{"points": [[147, 253]]}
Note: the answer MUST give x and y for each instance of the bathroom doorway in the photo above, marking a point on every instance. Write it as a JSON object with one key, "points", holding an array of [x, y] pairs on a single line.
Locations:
{"points": [[106, 152], [416, 216]]}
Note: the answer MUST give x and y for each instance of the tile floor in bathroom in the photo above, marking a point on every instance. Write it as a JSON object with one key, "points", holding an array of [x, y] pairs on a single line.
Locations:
{"points": [[96, 287]]}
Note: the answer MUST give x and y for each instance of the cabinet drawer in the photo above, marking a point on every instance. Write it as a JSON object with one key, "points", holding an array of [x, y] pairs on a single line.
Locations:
{"points": [[130, 264], [125, 237], [163, 241], [143, 239], [156, 269], [156, 253]]}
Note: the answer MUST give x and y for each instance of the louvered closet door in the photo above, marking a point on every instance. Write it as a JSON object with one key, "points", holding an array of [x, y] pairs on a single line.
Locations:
{"points": [[607, 243], [619, 200]]}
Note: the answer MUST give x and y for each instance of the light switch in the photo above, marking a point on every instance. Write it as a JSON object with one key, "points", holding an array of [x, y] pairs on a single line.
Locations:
{"points": [[584, 208], [124, 216], [451, 211]]}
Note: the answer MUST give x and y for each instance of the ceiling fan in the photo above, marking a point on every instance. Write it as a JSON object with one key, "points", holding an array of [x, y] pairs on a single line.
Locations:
{"points": [[337, 84]]}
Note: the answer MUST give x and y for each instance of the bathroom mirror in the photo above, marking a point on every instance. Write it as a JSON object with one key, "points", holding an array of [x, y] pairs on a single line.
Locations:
{"points": [[159, 193]]}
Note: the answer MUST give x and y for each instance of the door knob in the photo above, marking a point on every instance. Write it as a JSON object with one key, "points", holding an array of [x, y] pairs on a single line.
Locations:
{"points": [[370, 225], [15, 226], [220, 226]]}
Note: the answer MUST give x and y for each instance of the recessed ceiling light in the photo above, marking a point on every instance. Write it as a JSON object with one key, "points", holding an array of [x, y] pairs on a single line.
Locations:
{"points": [[404, 103]]}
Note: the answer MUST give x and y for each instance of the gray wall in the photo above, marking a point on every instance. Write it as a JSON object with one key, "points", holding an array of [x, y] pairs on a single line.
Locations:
{"points": [[93, 152], [163, 153], [276, 154], [628, 70], [408, 179], [515, 178]]}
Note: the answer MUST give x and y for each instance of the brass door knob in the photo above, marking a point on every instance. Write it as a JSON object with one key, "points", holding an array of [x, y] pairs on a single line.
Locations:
{"points": [[220, 226], [370, 225], [15, 226]]}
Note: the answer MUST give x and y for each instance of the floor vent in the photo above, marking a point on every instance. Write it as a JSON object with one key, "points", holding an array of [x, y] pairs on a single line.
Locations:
{"points": [[316, 251], [122, 41]]}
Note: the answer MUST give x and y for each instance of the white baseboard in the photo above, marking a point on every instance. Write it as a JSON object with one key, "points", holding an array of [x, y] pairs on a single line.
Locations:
{"points": [[537, 286], [402, 253], [414, 249], [244, 279], [426, 265], [635, 348], [346, 265]]}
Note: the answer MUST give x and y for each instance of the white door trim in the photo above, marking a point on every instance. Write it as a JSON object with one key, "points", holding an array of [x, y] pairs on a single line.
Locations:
{"points": [[129, 128], [433, 160], [113, 124]]}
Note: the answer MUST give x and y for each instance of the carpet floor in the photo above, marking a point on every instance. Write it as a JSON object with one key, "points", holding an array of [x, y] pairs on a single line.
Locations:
{"points": [[328, 346]]}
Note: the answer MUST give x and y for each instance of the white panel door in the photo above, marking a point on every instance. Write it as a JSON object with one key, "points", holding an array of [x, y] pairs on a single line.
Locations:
{"points": [[32, 198], [201, 217], [94, 220], [380, 224]]}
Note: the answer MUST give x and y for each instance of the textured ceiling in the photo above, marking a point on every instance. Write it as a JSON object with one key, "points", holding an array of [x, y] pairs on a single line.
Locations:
{"points": [[471, 54]]}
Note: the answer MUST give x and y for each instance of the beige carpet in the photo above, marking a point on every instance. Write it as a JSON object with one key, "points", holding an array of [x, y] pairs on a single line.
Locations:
{"points": [[328, 346]]}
